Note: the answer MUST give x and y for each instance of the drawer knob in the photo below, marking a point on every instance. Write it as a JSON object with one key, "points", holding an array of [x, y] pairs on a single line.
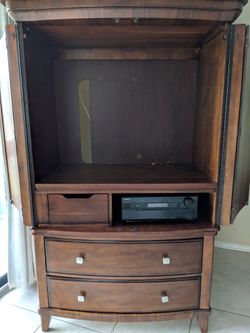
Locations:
{"points": [[79, 260], [81, 298], [166, 260], [164, 299]]}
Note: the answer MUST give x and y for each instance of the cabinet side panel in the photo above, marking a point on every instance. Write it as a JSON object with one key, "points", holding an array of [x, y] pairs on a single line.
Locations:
{"points": [[208, 250], [41, 271], [41, 100], [41, 208], [209, 105]]}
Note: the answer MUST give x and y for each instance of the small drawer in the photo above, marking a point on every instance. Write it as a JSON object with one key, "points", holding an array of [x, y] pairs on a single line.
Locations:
{"points": [[125, 297], [124, 258], [78, 208]]}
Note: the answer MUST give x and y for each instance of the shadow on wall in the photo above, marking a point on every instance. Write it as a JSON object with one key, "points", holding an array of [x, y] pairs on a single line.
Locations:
{"points": [[237, 235]]}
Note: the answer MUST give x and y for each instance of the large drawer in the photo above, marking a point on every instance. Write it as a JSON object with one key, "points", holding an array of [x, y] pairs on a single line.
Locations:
{"points": [[123, 258], [78, 208], [124, 296]]}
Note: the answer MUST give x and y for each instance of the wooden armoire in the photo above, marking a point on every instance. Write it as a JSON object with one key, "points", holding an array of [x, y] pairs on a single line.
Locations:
{"points": [[126, 98]]}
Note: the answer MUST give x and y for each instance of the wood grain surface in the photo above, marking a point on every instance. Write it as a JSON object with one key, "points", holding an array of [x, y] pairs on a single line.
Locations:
{"points": [[212, 69], [141, 112], [41, 102], [16, 121], [220, 10], [123, 259], [78, 209], [125, 232], [234, 100], [125, 178], [124, 297]]}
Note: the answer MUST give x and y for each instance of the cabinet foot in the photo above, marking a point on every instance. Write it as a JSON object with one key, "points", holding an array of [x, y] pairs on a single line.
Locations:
{"points": [[203, 321], [45, 320]]}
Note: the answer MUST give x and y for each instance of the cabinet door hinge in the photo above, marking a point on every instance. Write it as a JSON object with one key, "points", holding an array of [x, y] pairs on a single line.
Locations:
{"points": [[247, 41], [13, 35]]}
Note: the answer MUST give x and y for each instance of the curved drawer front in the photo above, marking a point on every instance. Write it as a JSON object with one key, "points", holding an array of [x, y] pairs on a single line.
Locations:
{"points": [[124, 296], [124, 259]]}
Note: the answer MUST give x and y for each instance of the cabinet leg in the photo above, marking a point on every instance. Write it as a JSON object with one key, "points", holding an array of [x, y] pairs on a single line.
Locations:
{"points": [[45, 320], [203, 321]]}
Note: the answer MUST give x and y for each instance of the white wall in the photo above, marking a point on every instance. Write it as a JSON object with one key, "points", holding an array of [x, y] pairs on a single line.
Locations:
{"points": [[3, 19], [239, 232], [245, 15]]}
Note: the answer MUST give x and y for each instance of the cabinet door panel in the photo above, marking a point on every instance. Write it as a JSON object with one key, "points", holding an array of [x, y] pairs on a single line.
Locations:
{"points": [[234, 175], [242, 162], [14, 125]]}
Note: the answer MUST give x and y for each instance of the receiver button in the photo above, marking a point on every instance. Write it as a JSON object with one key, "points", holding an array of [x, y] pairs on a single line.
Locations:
{"points": [[188, 202]]}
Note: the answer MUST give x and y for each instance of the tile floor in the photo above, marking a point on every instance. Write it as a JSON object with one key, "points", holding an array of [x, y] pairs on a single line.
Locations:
{"points": [[230, 306]]}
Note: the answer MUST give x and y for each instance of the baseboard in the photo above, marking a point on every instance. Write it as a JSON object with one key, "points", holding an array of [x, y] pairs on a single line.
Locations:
{"points": [[4, 290], [232, 246]]}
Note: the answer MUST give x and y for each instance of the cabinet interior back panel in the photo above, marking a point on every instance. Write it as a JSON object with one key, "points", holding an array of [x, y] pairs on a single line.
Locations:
{"points": [[41, 103], [140, 112]]}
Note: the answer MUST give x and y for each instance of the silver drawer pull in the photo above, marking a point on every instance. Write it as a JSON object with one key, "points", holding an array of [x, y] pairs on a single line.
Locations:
{"points": [[81, 298], [79, 260], [164, 299], [166, 261]]}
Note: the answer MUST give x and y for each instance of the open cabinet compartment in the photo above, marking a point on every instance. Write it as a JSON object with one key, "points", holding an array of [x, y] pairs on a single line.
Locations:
{"points": [[135, 209], [120, 106], [138, 111], [126, 104]]}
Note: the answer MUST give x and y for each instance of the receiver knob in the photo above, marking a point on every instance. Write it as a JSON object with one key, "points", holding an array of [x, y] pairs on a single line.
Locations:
{"points": [[188, 202]]}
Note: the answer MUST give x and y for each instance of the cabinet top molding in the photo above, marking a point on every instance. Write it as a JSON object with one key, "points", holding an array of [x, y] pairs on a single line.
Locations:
{"points": [[40, 10]]}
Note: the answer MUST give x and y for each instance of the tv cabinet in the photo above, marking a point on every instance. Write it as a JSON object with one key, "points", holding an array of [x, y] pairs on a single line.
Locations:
{"points": [[125, 98]]}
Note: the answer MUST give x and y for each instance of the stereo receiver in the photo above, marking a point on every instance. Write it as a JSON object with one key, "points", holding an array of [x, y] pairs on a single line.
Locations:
{"points": [[148, 208]]}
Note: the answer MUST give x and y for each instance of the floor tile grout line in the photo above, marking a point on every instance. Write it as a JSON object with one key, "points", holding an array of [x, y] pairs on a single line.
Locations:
{"points": [[234, 313], [19, 307], [114, 327], [37, 329], [68, 322]]}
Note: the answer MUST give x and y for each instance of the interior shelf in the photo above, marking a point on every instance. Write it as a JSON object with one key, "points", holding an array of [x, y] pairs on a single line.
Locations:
{"points": [[143, 231], [117, 178]]}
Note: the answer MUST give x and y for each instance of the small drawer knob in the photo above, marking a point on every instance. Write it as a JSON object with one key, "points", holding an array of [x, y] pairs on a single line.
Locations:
{"points": [[79, 260], [166, 260], [81, 298], [164, 299]]}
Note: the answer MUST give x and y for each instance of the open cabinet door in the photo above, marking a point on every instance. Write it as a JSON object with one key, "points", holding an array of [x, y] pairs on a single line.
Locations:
{"points": [[235, 163], [13, 119], [242, 162]]}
